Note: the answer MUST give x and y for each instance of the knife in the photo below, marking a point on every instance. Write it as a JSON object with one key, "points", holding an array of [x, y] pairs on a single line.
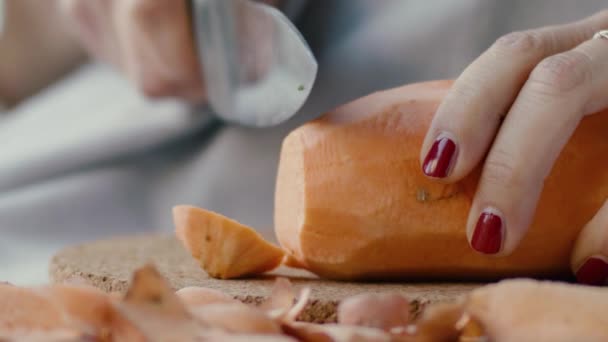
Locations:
{"points": [[258, 68]]}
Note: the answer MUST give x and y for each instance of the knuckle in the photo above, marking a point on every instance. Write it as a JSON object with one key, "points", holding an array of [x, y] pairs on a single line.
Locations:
{"points": [[147, 9], [561, 73], [73, 8], [602, 15], [464, 91], [470, 91], [500, 170], [520, 41], [155, 87]]}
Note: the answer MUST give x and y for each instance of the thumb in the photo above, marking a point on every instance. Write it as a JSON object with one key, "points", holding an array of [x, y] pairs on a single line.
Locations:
{"points": [[589, 259]]}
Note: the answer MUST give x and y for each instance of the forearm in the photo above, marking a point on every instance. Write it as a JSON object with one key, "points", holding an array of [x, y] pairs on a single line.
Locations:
{"points": [[35, 49]]}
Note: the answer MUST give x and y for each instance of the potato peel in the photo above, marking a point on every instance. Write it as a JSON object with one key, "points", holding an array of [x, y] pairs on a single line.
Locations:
{"points": [[309, 332], [57, 335], [525, 309], [439, 322], [511, 310], [375, 310], [293, 313], [281, 299], [223, 247], [23, 307], [150, 310], [93, 319], [237, 318], [194, 297]]}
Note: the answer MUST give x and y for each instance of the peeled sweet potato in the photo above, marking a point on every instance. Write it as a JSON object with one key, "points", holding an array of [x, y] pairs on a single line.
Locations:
{"points": [[224, 247], [352, 201]]}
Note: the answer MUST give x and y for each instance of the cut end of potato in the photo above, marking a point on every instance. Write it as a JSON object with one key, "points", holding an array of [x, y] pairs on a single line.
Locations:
{"points": [[223, 247], [293, 262]]}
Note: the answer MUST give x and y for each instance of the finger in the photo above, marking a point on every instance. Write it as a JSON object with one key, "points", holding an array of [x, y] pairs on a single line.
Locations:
{"points": [[589, 260], [158, 48], [540, 122], [90, 21], [467, 120]]}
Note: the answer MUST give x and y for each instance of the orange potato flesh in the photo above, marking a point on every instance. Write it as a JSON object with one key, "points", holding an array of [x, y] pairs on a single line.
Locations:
{"points": [[352, 201], [223, 247]]}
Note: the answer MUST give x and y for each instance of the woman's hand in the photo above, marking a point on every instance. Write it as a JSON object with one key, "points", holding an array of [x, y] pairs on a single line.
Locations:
{"points": [[151, 41], [32, 33], [514, 109]]}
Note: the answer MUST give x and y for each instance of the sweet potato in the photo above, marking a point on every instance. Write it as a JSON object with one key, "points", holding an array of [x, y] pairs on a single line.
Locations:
{"points": [[352, 201], [224, 247]]}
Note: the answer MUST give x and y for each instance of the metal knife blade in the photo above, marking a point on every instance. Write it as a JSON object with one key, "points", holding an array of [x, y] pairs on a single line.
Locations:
{"points": [[257, 67]]}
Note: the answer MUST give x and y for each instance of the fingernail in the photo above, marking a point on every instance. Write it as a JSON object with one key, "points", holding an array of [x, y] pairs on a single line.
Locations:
{"points": [[440, 158], [593, 272], [487, 237]]}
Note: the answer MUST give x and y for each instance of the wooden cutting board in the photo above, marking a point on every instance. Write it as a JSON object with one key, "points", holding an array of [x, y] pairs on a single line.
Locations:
{"points": [[108, 265]]}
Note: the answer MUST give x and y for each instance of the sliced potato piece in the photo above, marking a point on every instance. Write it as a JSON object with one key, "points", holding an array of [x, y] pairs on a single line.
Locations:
{"points": [[151, 311], [527, 309], [375, 310], [223, 247], [87, 309], [24, 309], [193, 296], [236, 318]]}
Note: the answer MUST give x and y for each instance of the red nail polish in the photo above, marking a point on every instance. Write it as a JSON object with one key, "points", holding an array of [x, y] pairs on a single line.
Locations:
{"points": [[487, 237], [440, 158], [593, 272]]}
